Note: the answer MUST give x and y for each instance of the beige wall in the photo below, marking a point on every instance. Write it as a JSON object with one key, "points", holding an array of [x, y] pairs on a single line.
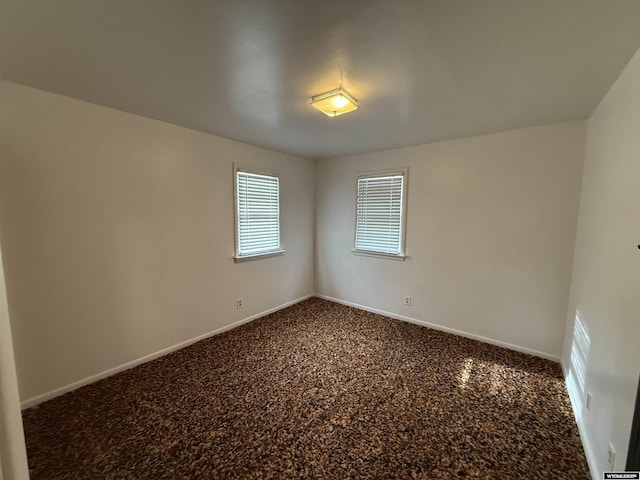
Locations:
{"points": [[118, 236], [490, 235], [601, 352], [13, 455]]}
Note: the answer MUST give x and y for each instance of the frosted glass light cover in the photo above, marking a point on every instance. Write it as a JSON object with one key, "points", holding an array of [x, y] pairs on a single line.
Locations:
{"points": [[334, 103]]}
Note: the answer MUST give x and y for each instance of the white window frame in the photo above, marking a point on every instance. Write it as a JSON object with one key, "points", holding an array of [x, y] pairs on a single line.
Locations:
{"points": [[239, 255], [404, 173]]}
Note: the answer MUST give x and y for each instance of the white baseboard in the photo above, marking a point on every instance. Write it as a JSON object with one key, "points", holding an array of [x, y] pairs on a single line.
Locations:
{"points": [[31, 402], [461, 333], [576, 406]]}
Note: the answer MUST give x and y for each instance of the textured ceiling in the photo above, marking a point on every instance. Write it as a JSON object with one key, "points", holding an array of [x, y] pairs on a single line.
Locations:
{"points": [[246, 69]]}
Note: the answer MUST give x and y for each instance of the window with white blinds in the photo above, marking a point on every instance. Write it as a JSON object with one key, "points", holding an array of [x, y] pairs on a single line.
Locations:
{"points": [[380, 214], [257, 213]]}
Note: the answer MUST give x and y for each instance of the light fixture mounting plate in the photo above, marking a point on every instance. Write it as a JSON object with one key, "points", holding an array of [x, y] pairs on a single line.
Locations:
{"points": [[335, 102]]}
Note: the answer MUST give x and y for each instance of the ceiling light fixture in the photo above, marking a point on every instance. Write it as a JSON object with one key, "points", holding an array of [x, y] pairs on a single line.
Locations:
{"points": [[334, 103]]}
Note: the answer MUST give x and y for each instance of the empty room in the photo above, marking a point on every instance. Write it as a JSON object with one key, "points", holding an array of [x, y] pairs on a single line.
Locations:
{"points": [[252, 239]]}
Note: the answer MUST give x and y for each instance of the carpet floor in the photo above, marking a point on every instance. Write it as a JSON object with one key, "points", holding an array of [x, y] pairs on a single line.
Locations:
{"points": [[317, 390]]}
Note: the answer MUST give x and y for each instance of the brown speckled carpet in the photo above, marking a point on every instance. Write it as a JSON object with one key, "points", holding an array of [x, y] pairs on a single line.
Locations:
{"points": [[317, 390]]}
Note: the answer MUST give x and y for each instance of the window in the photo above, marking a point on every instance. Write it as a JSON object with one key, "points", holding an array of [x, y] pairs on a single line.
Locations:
{"points": [[380, 209], [257, 213]]}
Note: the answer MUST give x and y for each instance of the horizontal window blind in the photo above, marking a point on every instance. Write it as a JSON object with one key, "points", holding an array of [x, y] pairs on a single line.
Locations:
{"points": [[379, 214], [258, 213]]}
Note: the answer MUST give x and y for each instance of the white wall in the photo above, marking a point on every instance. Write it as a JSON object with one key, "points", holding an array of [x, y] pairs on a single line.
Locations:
{"points": [[601, 352], [13, 455], [490, 234], [118, 235]]}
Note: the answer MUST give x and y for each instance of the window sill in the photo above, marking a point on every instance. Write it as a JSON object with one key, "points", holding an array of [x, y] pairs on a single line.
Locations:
{"points": [[255, 256], [391, 256]]}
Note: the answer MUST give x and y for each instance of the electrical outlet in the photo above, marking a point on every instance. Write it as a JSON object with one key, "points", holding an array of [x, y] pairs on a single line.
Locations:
{"points": [[588, 400], [238, 303], [611, 458], [407, 300]]}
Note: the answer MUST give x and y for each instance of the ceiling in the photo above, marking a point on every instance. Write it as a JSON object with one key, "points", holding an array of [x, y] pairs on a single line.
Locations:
{"points": [[246, 69]]}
